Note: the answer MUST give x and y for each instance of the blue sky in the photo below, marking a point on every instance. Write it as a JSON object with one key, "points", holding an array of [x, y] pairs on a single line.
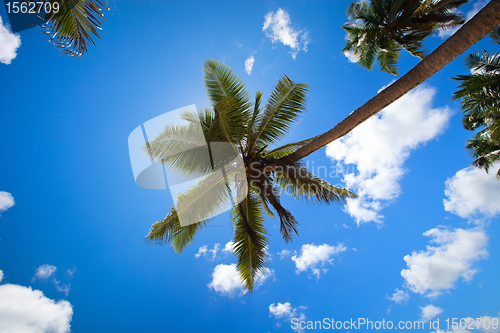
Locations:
{"points": [[422, 240]]}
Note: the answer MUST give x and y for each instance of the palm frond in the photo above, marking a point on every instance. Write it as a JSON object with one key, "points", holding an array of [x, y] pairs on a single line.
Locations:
{"points": [[222, 82], [297, 181], [286, 149], [72, 27], [250, 240], [285, 105], [169, 230], [212, 195]]}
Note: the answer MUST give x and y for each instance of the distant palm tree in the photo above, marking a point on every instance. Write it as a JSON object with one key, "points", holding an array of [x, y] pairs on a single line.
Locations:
{"points": [[251, 129], [479, 94], [486, 20], [381, 28], [72, 27]]}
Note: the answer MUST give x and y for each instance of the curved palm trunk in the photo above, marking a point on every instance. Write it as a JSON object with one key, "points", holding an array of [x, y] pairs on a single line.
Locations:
{"points": [[469, 34]]}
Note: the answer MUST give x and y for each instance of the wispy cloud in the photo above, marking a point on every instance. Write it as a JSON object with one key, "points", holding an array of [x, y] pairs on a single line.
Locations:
{"points": [[29, 311], [287, 312], [399, 296], [249, 64], [351, 56], [277, 27], [380, 146], [315, 256], [9, 43], [43, 272]]}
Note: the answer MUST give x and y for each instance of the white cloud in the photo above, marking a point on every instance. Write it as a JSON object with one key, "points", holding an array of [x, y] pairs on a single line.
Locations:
{"points": [[351, 56], [284, 254], [282, 310], [430, 311], [228, 248], [313, 255], [226, 280], [63, 288], [380, 146], [470, 192], [249, 64], [43, 272], [204, 251], [6, 199], [29, 311], [439, 267], [287, 312], [478, 5], [1, 275], [277, 28], [399, 296], [9, 43]]}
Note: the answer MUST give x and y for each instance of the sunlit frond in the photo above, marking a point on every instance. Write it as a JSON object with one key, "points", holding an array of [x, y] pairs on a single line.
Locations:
{"points": [[222, 82], [285, 105]]}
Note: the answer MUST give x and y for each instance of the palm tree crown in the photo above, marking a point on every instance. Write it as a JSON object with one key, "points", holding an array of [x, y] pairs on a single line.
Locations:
{"points": [[381, 28], [251, 129], [479, 94]]}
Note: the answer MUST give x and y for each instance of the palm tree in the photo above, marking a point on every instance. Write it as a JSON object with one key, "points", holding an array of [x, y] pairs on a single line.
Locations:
{"points": [[381, 28], [73, 25], [470, 33], [479, 94], [251, 130]]}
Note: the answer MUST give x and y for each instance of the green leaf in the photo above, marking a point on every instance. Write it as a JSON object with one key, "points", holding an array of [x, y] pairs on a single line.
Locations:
{"points": [[169, 230], [250, 250], [74, 24]]}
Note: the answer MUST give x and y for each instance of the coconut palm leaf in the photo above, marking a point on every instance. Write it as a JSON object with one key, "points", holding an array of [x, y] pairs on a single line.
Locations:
{"points": [[285, 105], [169, 230], [250, 252], [381, 28], [222, 82], [286, 149], [298, 182], [73, 26]]}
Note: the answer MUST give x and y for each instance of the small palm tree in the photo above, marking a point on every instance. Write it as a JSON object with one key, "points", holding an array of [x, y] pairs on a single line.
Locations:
{"points": [[381, 28], [479, 94], [74, 23], [251, 129]]}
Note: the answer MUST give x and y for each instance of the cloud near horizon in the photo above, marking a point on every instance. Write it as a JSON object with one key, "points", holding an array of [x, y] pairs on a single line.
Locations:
{"points": [[379, 147]]}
